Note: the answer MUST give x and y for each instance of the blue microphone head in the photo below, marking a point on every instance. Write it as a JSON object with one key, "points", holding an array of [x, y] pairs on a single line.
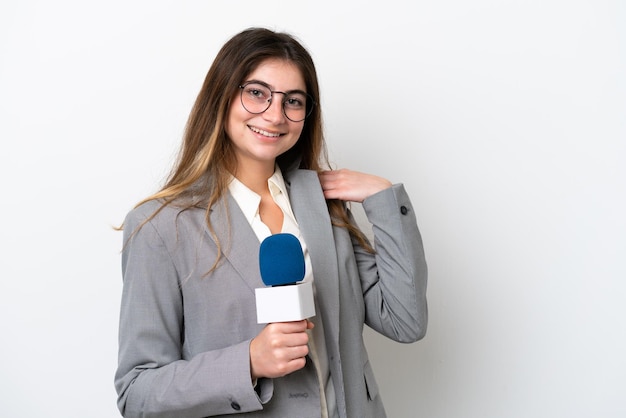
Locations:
{"points": [[281, 260]]}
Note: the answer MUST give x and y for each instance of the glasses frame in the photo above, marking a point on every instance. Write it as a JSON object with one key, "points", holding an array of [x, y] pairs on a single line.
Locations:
{"points": [[310, 102]]}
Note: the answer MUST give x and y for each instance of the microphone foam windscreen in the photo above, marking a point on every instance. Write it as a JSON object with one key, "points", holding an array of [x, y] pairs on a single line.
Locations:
{"points": [[281, 260]]}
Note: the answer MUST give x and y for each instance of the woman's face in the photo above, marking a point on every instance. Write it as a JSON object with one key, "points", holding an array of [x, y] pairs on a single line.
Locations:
{"points": [[260, 138]]}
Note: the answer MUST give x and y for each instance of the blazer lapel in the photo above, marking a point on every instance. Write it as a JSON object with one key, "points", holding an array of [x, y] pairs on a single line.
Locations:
{"points": [[240, 245], [311, 212]]}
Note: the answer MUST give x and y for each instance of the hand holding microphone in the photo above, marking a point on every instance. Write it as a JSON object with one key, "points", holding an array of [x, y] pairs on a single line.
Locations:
{"points": [[279, 349], [285, 306]]}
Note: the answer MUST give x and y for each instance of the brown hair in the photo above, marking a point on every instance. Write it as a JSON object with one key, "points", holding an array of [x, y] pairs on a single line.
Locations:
{"points": [[201, 173]]}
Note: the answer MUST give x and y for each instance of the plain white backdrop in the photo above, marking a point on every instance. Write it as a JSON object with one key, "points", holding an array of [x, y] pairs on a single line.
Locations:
{"points": [[504, 119]]}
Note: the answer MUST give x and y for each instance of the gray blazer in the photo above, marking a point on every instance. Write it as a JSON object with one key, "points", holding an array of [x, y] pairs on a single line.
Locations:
{"points": [[184, 336]]}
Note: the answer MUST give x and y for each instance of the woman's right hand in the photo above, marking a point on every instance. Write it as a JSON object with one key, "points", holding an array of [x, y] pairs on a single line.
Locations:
{"points": [[279, 349]]}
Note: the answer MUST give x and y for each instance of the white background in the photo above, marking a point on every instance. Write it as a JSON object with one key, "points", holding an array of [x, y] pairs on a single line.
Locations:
{"points": [[504, 119]]}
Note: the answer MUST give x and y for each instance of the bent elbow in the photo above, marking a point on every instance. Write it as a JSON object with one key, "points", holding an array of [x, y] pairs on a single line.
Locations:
{"points": [[416, 330], [414, 335]]}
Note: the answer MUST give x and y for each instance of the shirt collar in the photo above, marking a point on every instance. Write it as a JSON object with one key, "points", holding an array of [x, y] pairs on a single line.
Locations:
{"points": [[249, 201], [277, 183]]}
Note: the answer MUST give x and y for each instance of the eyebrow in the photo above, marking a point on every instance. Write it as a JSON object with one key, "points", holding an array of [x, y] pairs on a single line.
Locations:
{"points": [[272, 89]]}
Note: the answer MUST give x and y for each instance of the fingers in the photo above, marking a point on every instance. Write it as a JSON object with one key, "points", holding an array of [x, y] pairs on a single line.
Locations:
{"points": [[279, 349], [293, 326], [351, 185]]}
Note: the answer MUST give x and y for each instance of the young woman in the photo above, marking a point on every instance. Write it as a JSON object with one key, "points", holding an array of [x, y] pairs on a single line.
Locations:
{"points": [[252, 164]]}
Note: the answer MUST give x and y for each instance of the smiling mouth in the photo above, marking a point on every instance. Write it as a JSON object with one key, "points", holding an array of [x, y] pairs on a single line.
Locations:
{"points": [[265, 133]]}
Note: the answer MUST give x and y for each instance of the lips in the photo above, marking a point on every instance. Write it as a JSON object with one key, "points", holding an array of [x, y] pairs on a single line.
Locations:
{"points": [[264, 133]]}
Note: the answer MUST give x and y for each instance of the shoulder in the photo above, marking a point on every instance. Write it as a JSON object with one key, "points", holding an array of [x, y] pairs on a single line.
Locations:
{"points": [[143, 213], [302, 177], [160, 217]]}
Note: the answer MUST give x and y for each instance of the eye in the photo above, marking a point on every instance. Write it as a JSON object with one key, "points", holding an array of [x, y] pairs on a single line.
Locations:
{"points": [[257, 92], [295, 101]]}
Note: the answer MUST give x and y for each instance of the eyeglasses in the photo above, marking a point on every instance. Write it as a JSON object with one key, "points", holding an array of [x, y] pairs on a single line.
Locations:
{"points": [[256, 98]]}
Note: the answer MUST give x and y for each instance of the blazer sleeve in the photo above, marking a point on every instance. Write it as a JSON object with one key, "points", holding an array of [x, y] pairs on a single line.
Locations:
{"points": [[153, 379], [394, 278]]}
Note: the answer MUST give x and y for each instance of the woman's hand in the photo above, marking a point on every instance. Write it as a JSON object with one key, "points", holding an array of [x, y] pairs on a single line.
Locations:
{"points": [[279, 349], [351, 185]]}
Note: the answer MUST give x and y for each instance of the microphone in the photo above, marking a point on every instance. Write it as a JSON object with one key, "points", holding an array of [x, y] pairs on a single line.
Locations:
{"points": [[281, 263], [281, 260]]}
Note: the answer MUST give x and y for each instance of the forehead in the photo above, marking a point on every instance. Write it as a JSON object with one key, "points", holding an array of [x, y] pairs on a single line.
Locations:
{"points": [[280, 74]]}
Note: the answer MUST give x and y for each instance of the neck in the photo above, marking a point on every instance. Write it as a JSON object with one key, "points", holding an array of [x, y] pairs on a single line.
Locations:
{"points": [[255, 175]]}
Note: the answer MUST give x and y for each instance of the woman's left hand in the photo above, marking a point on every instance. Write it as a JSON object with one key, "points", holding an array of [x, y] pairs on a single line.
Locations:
{"points": [[351, 185]]}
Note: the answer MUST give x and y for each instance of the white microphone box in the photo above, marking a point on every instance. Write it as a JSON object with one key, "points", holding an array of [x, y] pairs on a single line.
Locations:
{"points": [[292, 302]]}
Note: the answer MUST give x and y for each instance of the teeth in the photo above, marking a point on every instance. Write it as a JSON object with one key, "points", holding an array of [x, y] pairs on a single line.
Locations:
{"points": [[265, 133]]}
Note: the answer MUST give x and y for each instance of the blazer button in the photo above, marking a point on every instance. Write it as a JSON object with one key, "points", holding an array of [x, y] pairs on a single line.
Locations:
{"points": [[404, 210], [235, 406]]}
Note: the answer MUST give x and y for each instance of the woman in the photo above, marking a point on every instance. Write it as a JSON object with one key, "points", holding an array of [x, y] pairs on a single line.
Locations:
{"points": [[253, 164]]}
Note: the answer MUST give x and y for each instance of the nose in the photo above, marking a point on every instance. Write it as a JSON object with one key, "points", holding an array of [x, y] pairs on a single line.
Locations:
{"points": [[274, 113]]}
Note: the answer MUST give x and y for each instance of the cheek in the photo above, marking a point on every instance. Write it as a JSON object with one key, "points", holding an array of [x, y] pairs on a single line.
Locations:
{"points": [[296, 137], [298, 131], [234, 122]]}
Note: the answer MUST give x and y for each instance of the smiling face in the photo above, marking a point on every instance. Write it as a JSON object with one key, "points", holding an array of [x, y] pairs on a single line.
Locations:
{"points": [[258, 139]]}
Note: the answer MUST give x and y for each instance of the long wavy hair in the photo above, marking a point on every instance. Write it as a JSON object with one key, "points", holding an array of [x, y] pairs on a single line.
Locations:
{"points": [[200, 176]]}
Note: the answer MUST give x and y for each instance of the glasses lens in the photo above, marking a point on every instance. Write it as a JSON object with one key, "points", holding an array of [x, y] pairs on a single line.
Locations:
{"points": [[296, 105], [255, 98]]}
